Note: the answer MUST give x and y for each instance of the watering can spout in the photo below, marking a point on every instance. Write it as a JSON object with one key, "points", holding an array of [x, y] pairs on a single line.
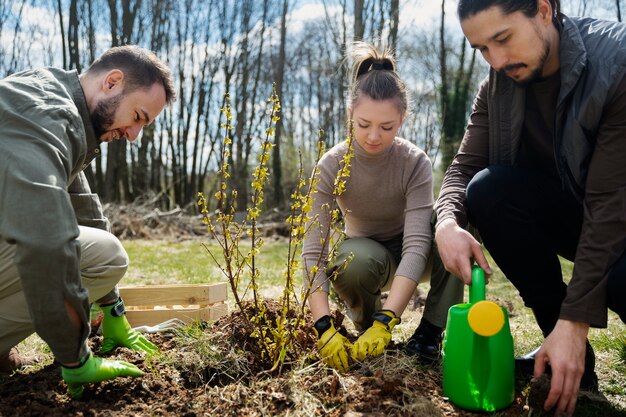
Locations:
{"points": [[478, 361]]}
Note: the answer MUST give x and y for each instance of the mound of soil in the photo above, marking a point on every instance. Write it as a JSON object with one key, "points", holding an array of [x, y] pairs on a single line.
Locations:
{"points": [[216, 370]]}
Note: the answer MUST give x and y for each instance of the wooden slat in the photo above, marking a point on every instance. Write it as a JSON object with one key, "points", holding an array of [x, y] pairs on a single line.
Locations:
{"points": [[151, 317], [216, 311], [179, 294]]}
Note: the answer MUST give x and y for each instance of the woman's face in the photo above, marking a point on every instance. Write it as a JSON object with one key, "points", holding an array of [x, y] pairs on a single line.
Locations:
{"points": [[376, 123]]}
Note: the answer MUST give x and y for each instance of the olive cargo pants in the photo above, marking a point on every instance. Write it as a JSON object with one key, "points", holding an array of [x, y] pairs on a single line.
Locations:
{"points": [[360, 281], [103, 263]]}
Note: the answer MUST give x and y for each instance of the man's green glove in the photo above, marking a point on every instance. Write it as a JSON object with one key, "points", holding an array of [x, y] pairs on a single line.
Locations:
{"points": [[333, 346], [375, 339], [95, 370], [117, 331]]}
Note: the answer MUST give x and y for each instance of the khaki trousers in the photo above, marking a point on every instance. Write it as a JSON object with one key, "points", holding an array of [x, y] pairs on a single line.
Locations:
{"points": [[103, 262], [360, 281]]}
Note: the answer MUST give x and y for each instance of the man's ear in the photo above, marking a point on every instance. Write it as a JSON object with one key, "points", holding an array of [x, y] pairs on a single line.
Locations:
{"points": [[544, 9], [113, 81]]}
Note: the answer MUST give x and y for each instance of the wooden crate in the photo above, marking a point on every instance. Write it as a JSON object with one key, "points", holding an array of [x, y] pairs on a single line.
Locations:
{"points": [[153, 304]]}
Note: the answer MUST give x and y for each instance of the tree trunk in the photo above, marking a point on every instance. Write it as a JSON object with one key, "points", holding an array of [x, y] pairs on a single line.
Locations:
{"points": [[62, 28], [241, 142], [394, 13], [359, 27], [453, 101], [280, 76], [72, 37], [118, 186]]}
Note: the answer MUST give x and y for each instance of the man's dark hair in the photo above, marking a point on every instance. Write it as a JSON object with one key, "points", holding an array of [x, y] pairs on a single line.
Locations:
{"points": [[468, 8], [141, 68]]}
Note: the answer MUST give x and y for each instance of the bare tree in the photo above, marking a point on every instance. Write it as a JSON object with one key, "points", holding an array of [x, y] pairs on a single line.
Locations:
{"points": [[394, 14], [60, 13], [241, 148], [204, 91], [118, 183], [454, 96], [280, 76], [72, 37], [359, 26]]}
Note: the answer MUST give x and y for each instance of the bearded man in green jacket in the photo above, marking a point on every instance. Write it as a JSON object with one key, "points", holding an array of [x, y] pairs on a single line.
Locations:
{"points": [[56, 251]]}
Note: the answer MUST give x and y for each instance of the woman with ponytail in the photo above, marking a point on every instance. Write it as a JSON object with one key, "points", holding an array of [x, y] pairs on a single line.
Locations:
{"points": [[387, 207]]}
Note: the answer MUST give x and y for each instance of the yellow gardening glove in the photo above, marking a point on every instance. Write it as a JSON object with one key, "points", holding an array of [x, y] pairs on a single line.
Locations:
{"points": [[333, 346], [375, 339]]}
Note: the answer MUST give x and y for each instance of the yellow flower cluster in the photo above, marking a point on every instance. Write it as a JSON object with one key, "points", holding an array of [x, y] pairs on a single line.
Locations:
{"points": [[344, 169]]}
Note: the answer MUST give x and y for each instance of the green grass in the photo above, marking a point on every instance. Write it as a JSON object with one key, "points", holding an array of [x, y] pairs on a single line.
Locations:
{"points": [[187, 262]]}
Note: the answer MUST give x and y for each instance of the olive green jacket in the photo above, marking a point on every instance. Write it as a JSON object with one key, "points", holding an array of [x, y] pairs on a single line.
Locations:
{"points": [[46, 140]]}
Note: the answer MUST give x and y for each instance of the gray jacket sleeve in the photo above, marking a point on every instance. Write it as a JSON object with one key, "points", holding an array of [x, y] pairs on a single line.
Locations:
{"points": [[87, 204], [39, 147]]}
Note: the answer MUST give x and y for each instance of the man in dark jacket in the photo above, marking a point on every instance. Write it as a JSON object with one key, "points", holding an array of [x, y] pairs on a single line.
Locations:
{"points": [[541, 173], [56, 251]]}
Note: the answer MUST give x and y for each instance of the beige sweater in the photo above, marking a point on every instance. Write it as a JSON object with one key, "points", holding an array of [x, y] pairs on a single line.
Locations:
{"points": [[387, 196]]}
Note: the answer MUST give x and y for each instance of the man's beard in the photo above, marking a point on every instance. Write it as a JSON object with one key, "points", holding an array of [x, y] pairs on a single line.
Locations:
{"points": [[103, 115], [536, 73]]}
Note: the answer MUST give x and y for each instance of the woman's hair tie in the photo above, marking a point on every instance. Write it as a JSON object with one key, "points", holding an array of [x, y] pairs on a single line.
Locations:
{"points": [[384, 65]]}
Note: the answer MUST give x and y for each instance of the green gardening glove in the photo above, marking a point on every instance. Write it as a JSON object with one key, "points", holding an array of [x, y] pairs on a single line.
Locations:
{"points": [[95, 370], [117, 331], [333, 346], [375, 339]]}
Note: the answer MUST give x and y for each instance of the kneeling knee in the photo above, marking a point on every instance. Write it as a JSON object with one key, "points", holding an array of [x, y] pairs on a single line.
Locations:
{"points": [[479, 191], [117, 256]]}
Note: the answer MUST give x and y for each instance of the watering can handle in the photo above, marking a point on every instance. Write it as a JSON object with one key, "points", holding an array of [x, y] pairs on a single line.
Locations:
{"points": [[477, 289]]}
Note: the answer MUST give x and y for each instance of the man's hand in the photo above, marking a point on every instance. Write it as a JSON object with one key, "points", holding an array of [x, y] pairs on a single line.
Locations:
{"points": [[564, 349], [333, 347], [375, 339], [117, 331], [95, 370], [456, 248]]}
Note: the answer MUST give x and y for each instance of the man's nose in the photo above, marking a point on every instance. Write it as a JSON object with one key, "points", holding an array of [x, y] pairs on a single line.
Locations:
{"points": [[498, 59], [132, 133]]}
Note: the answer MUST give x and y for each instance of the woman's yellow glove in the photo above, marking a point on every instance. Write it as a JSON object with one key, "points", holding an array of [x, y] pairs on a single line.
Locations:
{"points": [[333, 346], [375, 339]]}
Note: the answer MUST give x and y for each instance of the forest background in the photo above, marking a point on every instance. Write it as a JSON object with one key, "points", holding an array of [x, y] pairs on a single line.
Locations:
{"points": [[244, 47]]}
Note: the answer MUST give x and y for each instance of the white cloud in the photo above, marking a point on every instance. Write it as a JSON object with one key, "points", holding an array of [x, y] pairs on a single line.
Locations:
{"points": [[426, 14], [310, 11]]}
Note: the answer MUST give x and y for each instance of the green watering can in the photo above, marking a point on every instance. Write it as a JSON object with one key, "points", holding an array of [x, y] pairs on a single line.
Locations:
{"points": [[478, 361]]}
